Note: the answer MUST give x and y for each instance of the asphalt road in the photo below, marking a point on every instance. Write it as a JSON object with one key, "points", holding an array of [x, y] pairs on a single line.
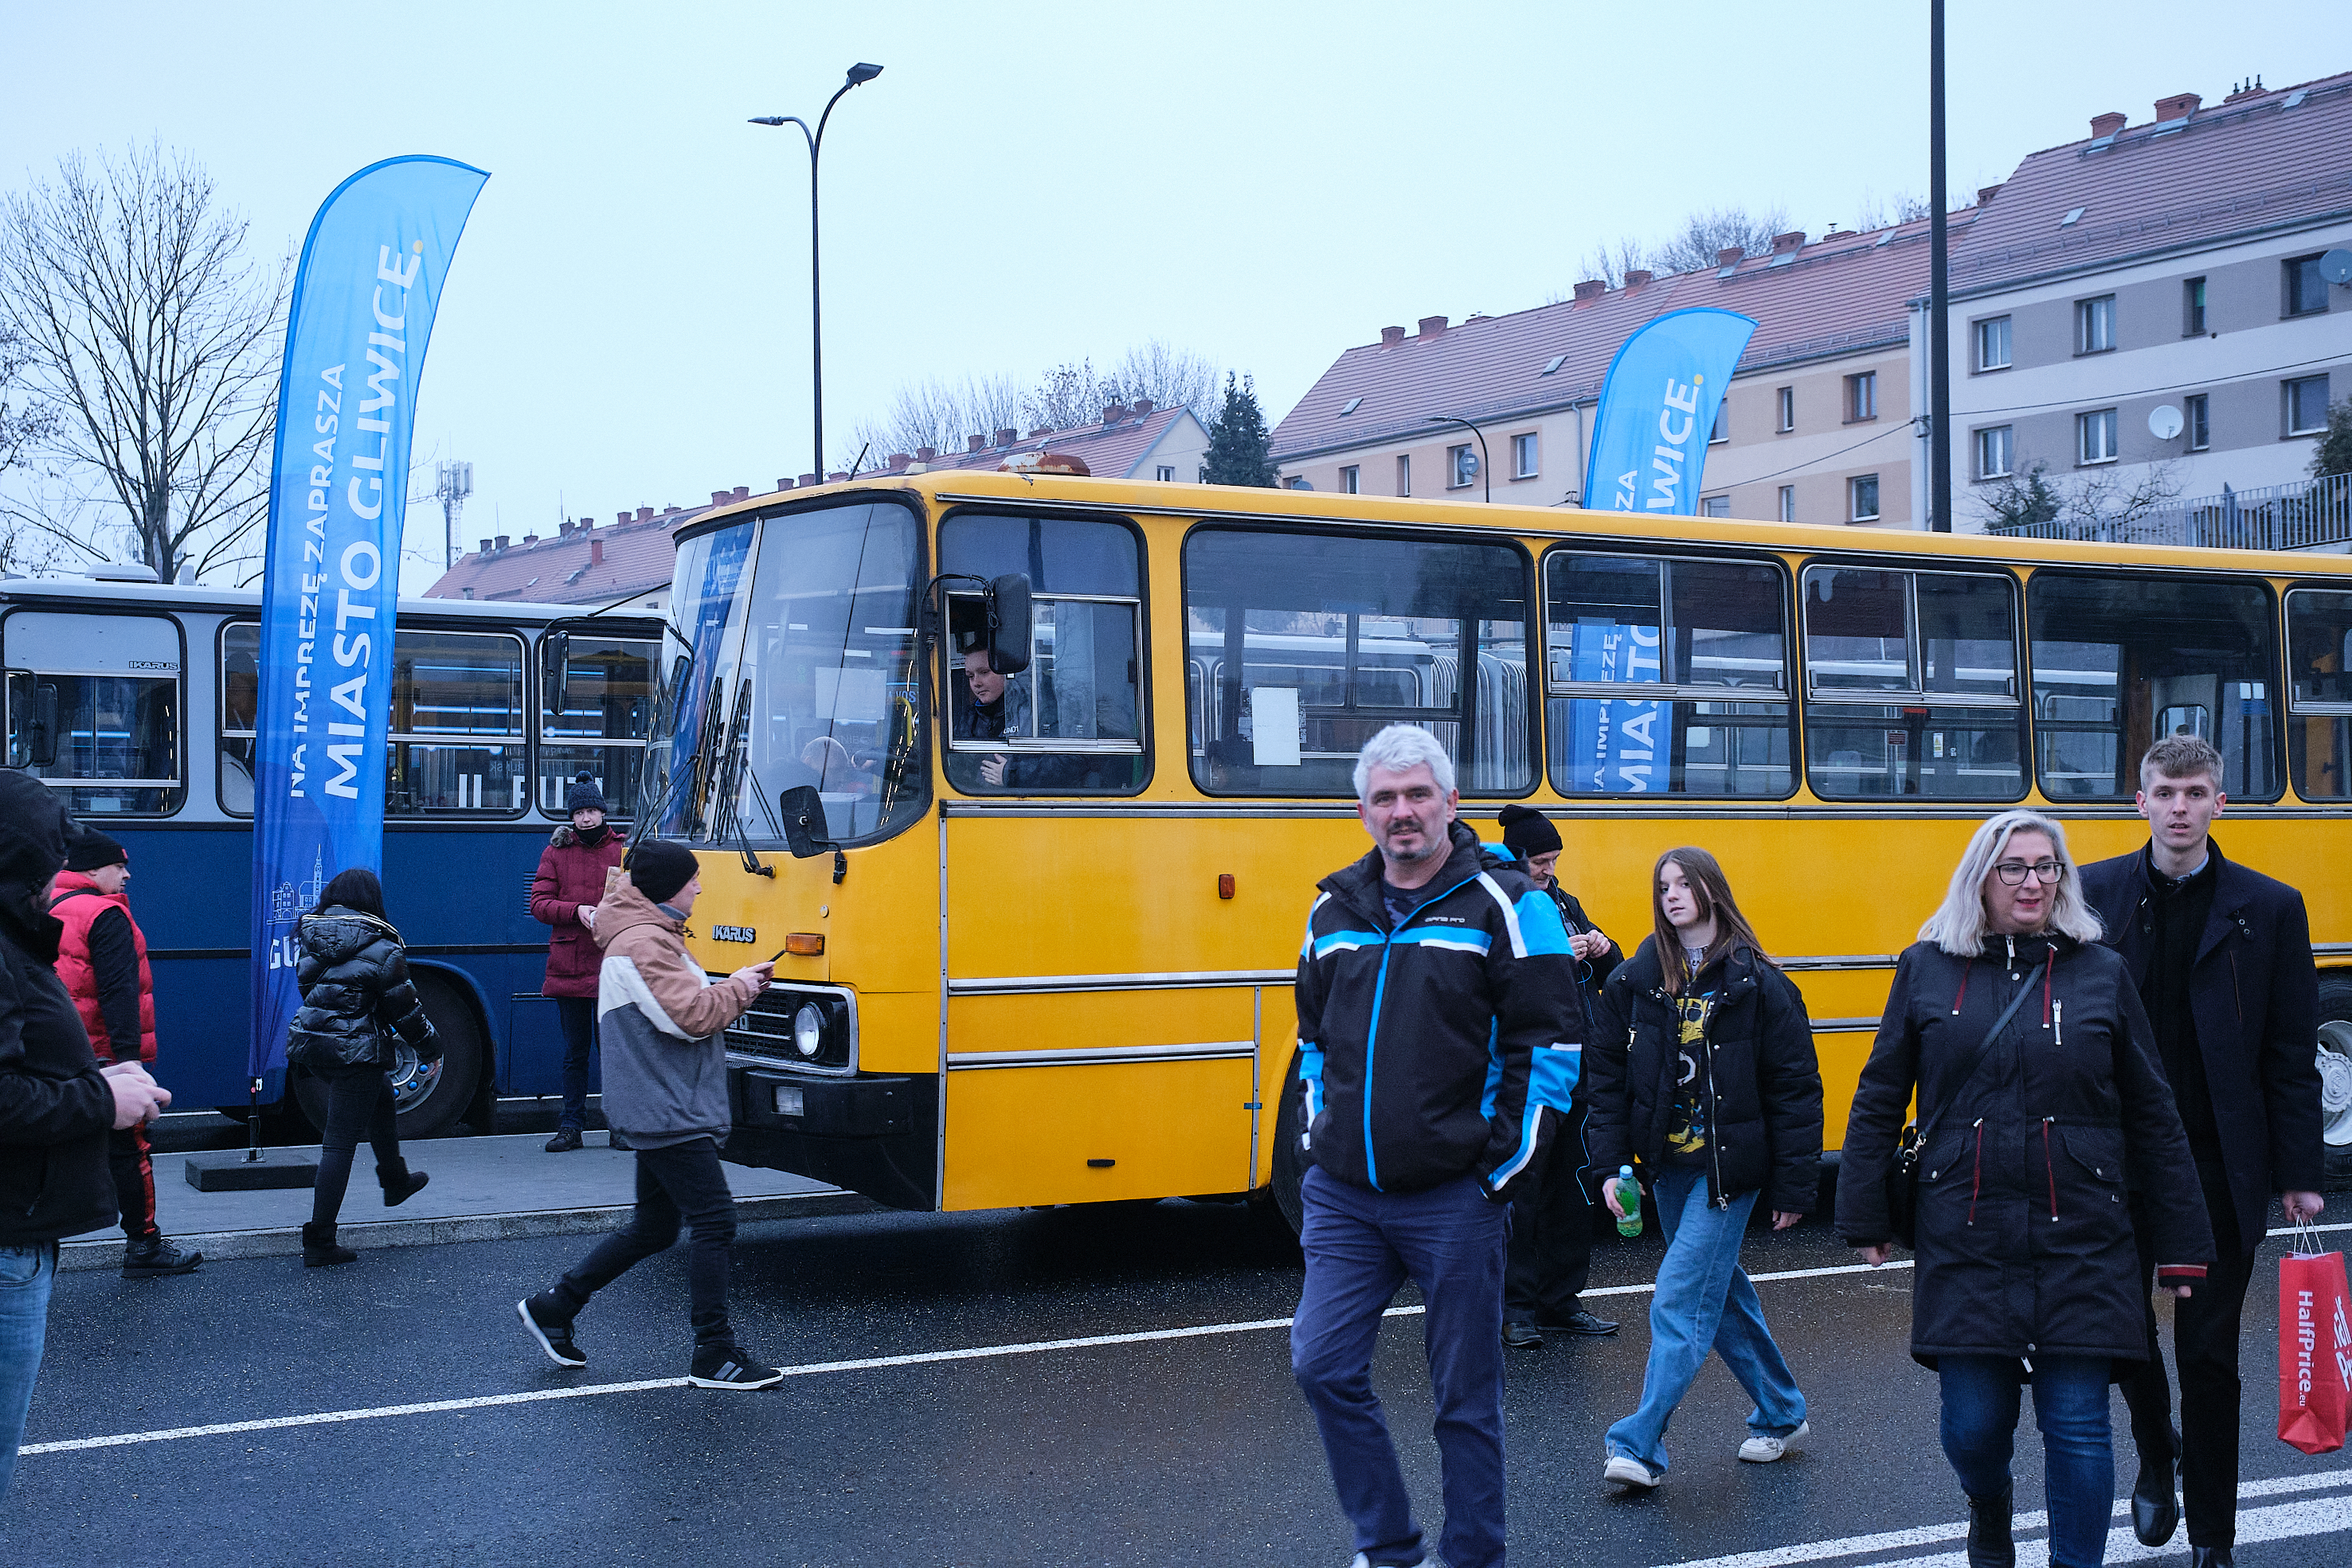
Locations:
{"points": [[1158, 1448]]}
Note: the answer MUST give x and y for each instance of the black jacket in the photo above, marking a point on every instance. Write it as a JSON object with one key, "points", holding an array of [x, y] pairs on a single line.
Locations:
{"points": [[2025, 1230], [355, 987], [1446, 1047], [1763, 1080], [2255, 996]]}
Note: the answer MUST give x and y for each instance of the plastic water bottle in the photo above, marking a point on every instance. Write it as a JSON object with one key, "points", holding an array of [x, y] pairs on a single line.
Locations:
{"points": [[1629, 1197]]}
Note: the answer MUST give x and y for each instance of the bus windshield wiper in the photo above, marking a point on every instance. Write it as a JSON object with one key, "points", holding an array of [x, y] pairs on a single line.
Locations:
{"points": [[728, 782]]}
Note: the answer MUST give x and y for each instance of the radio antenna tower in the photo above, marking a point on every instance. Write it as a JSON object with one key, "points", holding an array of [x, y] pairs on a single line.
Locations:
{"points": [[452, 482]]}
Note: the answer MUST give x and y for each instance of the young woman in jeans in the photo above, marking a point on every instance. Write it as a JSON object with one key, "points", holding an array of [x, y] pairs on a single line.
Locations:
{"points": [[1702, 1073], [2037, 1088]]}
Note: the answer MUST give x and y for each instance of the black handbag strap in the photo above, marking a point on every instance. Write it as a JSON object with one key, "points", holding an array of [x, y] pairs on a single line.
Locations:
{"points": [[1983, 1048]]}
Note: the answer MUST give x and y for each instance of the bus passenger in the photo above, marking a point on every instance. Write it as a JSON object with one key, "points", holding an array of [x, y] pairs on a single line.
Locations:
{"points": [[998, 706], [102, 959], [563, 894], [1443, 959], [1551, 1223], [2038, 1089], [356, 995], [1704, 1076]]}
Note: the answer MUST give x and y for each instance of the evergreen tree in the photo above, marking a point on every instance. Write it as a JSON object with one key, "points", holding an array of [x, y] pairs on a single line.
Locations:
{"points": [[1239, 443], [2020, 500], [2335, 454]]}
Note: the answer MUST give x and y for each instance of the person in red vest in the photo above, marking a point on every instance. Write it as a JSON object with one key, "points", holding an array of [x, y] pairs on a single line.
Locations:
{"points": [[102, 959], [564, 894]]}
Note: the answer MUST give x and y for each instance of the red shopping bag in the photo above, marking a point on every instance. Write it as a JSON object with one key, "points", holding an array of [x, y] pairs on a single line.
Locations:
{"points": [[2315, 1349]]}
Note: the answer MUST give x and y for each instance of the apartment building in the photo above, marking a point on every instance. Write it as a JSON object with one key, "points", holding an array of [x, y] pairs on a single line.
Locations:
{"points": [[2146, 311]]}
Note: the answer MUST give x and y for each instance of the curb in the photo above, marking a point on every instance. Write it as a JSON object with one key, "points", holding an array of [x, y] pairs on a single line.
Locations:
{"points": [[285, 1241]]}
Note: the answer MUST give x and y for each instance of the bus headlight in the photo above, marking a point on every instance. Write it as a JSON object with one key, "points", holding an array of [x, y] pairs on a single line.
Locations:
{"points": [[808, 1030]]}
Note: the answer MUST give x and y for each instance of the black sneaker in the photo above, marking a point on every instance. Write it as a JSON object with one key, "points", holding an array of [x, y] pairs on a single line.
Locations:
{"points": [[155, 1259], [1581, 1321], [729, 1366], [566, 1139], [551, 1327]]}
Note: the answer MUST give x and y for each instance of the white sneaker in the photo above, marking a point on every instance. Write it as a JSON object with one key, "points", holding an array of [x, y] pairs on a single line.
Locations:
{"points": [[1764, 1451], [1628, 1471]]}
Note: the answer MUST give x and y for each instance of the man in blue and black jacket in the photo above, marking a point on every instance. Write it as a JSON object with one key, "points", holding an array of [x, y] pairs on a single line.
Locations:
{"points": [[1439, 1042]]}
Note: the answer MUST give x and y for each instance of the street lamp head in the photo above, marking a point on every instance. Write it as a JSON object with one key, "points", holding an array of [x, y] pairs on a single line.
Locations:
{"points": [[862, 72], [770, 119]]}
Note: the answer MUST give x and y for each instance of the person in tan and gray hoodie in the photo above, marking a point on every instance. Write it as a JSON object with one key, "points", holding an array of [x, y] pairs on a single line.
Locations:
{"points": [[659, 1022]]}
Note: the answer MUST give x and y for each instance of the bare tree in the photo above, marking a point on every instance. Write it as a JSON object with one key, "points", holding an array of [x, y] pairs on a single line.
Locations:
{"points": [[1611, 263], [1170, 377], [1881, 213], [156, 342], [942, 414], [937, 414], [1694, 247], [1066, 397]]}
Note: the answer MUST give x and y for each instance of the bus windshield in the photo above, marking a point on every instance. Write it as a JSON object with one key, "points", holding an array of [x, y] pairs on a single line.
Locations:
{"points": [[791, 661]]}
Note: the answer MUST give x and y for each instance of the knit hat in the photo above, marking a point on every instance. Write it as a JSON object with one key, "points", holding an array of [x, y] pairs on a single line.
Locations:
{"points": [[660, 868], [93, 849], [583, 796], [1528, 831]]}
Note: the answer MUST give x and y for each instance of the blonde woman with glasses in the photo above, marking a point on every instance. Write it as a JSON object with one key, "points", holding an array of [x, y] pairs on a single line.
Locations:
{"points": [[2037, 1088]]}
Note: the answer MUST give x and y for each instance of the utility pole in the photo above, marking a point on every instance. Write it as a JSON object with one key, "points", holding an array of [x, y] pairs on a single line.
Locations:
{"points": [[1939, 286]]}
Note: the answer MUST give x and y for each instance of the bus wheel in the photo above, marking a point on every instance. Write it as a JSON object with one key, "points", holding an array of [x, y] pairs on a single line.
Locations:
{"points": [[1289, 1160], [2335, 1074], [428, 1097]]}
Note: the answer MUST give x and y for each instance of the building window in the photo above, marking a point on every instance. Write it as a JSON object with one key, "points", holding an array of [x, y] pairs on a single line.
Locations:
{"points": [[1788, 502], [2307, 405], [1722, 431], [1862, 491], [1993, 450], [1351, 480], [1167, 471], [2306, 291], [1404, 474], [1992, 344], [2195, 422], [1861, 396], [1461, 466], [1523, 456], [2094, 325], [1787, 398], [2193, 307], [2095, 437], [1714, 507]]}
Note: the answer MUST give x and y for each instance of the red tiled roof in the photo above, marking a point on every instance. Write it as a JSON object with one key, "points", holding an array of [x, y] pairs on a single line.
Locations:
{"points": [[637, 556], [1842, 293], [2255, 163], [1109, 450]]}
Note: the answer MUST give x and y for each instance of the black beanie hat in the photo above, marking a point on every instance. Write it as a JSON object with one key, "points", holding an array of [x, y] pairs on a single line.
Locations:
{"points": [[583, 796], [93, 849], [1528, 831], [660, 868]]}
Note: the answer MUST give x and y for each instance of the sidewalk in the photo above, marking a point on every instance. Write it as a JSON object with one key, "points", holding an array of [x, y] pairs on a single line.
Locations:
{"points": [[484, 1189]]}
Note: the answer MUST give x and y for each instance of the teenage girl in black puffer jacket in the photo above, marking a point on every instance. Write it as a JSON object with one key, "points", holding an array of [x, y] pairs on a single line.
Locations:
{"points": [[356, 995]]}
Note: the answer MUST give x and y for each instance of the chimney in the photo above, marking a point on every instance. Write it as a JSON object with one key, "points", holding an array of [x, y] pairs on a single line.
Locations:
{"points": [[975, 444], [806, 480], [1007, 437], [529, 540], [1731, 255], [564, 529], [1041, 431], [1143, 407], [1391, 336], [1592, 288], [785, 483], [484, 550], [1985, 193], [835, 477], [1114, 414], [2107, 124], [2245, 90], [925, 454], [595, 552], [1638, 277], [1432, 329], [719, 497], [670, 510], [502, 542], [899, 460], [1793, 240], [2179, 106], [743, 492], [644, 514]]}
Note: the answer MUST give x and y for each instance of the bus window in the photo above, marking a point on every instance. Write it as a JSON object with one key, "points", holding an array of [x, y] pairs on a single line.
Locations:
{"points": [[2319, 666], [1073, 719], [607, 708], [456, 741], [2120, 661], [94, 708], [1309, 643], [1911, 684], [240, 703], [1666, 676]]}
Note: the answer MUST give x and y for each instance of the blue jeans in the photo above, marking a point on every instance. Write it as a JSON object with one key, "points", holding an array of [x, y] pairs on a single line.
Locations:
{"points": [[1360, 1245], [26, 1273], [1705, 1302], [577, 1018], [2078, 1455]]}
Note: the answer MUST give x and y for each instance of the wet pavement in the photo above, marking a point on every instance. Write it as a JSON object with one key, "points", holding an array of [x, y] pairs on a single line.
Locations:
{"points": [[959, 1431]]}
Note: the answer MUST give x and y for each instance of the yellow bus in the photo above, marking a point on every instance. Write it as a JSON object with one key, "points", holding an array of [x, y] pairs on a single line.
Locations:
{"points": [[1063, 758]]}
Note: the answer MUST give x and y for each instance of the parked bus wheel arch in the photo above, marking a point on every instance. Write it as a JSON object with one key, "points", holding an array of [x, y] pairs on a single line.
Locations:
{"points": [[430, 1097]]}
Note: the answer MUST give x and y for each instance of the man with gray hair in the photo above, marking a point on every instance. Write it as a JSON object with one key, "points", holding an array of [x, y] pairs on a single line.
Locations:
{"points": [[1439, 1042], [2222, 955]]}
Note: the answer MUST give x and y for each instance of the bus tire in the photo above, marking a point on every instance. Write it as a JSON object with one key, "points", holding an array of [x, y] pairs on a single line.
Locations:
{"points": [[1289, 1160], [431, 1096], [2336, 1037]]}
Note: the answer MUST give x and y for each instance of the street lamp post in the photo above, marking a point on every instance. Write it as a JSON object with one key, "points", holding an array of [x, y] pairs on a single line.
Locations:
{"points": [[859, 74], [1485, 468]]}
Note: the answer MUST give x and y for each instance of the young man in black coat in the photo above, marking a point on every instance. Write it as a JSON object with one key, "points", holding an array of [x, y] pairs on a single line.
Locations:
{"points": [[2222, 956]]}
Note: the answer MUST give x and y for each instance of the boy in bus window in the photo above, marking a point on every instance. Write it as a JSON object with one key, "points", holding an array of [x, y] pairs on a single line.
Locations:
{"points": [[990, 708]]}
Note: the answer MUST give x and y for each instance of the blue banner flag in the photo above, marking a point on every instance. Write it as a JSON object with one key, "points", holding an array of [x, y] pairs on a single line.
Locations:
{"points": [[1657, 409], [363, 299]]}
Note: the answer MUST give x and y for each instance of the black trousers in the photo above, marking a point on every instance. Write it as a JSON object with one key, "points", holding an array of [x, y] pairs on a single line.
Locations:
{"points": [[359, 1104], [1551, 1255], [681, 1184], [2205, 1346], [134, 1182]]}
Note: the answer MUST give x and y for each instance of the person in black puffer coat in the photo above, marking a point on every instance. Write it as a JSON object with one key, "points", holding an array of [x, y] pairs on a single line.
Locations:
{"points": [[2028, 1270], [356, 997]]}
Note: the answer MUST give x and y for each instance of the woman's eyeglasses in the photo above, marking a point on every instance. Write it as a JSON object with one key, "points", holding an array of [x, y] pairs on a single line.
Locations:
{"points": [[2013, 874]]}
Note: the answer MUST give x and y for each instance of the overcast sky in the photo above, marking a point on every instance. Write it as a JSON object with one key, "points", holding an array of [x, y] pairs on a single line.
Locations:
{"points": [[1265, 184]]}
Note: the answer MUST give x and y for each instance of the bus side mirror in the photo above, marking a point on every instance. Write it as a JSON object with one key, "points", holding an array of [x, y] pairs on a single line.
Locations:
{"points": [[1008, 623], [805, 825], [559, 648], [44, 742]]}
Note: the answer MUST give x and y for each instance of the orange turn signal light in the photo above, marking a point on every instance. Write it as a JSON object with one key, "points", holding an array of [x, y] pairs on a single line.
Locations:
{"points": [[805, 943]]}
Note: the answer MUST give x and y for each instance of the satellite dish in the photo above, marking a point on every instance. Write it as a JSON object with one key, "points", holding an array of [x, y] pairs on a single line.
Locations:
{"points": [[2336, 266], [2163, 422]]}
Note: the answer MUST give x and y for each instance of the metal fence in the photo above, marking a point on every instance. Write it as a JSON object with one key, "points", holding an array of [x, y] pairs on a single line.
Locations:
{"points": [[2307, 513]]}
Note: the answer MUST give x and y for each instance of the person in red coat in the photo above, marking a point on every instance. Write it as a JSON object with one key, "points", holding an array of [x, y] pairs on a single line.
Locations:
{"points": [[563, 894], [102, 959]]}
